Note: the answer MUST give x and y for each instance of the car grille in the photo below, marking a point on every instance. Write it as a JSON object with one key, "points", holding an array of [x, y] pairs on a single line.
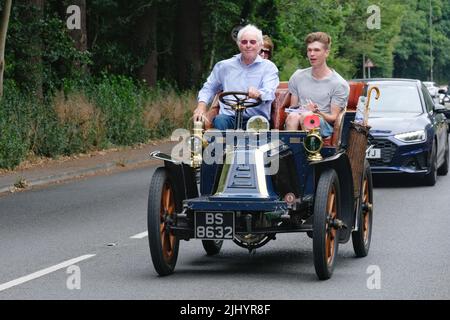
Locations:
{"points": [[387, 151]]}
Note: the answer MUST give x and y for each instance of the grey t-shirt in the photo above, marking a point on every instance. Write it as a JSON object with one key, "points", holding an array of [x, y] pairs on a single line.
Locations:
{"points": [[331, 90]]}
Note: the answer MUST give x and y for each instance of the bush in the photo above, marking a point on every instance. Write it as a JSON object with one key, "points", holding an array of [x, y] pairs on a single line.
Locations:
{"points": [[121, 104], [166, 110], [88, 114], [81, 121], [14, 120]]}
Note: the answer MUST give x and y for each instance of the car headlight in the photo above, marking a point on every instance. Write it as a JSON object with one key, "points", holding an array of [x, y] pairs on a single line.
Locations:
{"points": [[258, 123], [414, 136]]}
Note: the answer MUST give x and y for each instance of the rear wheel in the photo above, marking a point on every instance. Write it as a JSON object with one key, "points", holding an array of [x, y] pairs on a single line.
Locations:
{"points": [[431, 177], [212, 247], [361, 238], [160, 215], [325, 235]]}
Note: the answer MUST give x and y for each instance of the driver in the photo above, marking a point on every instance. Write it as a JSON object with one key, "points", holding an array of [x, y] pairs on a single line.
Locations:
{"points": [[246, 72]]}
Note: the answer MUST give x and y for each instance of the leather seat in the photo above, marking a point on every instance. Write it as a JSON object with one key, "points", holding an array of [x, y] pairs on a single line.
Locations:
{"points": [[212, 113], [356, 90], [282, 101]]}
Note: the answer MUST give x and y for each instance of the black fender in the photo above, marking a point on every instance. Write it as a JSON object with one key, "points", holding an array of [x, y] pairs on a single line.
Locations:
{"points": [[341, 164], [181, 174]]}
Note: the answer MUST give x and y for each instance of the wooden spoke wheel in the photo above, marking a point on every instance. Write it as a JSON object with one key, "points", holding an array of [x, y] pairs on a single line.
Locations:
{"points": [[161, 213], [325, 233], [362, 237]]}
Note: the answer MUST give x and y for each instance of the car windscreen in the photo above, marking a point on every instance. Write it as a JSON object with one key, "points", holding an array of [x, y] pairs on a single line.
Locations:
{"points": [[396, 98]]}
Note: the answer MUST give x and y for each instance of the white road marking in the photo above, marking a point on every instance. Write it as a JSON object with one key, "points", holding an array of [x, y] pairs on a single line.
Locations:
{"points": [[43, 272], [140, 235]]}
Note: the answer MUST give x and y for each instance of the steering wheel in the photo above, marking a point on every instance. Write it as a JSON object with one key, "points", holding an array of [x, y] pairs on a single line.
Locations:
{"points": [[238, 100]]}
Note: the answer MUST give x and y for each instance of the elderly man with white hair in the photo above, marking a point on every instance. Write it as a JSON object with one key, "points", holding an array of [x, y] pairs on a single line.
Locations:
{"points": [[246, 72]]}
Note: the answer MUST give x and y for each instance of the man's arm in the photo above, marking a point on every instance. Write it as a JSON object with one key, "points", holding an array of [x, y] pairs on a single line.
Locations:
{"points": [[338, 102], [330, 117], [207, 92], [269, 83], [294, 100], [200, 111]]}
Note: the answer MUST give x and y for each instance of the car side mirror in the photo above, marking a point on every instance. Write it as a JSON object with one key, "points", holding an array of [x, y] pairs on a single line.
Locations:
{"points": [[443, 91]]}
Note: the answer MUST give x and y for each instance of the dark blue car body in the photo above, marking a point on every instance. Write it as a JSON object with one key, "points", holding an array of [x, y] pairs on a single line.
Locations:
{"points": [[425, 157]]}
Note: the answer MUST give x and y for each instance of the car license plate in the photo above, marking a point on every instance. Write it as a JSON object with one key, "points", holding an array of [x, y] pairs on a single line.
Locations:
{"points": [[373, 153], [214, 225]]}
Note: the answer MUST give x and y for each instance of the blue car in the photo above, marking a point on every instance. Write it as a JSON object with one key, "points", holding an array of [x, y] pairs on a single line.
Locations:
{"points": [[409, 132]]}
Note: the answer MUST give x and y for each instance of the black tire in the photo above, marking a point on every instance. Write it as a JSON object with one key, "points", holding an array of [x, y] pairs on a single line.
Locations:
{"points": [[431, 177], [361, 238], [325, 237], [161, 207], [212, 247], [443, 169]]}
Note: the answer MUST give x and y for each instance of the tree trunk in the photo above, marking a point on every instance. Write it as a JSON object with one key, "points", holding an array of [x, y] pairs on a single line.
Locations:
{"points": [[147, 41], [188, 43], [3, 30]]}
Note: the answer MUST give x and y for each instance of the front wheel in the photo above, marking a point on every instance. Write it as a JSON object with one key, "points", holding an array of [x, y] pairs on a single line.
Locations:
{"points": [[361, 238], [431, 177], [325, 234], [160, 215], [443, 169]]}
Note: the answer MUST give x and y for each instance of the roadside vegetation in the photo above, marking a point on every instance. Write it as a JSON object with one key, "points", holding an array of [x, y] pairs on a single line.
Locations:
{"points": [[117, 72], [98, 114]]}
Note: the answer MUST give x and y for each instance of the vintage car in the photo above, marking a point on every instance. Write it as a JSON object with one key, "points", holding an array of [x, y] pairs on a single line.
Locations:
{"points": [[409, 132], [249, 185]]}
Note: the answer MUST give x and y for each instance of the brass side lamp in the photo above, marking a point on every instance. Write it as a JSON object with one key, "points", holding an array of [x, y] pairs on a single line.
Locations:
{"points": [[313, 141]]}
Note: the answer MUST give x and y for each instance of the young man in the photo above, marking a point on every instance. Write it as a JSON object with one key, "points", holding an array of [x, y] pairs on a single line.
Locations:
{"points": [[246, 72], [319, 89]]}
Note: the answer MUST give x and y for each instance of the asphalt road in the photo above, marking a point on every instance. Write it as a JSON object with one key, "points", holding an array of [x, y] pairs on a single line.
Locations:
{"points": [[93, 221]]}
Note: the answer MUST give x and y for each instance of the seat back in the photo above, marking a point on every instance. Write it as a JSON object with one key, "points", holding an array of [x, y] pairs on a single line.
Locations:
{"points": [[281, 102], [212, 112], [357, 89]]}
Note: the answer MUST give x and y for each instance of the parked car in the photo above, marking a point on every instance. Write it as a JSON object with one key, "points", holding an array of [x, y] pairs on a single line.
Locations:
{"points": [[433, 88], [409, 131], [444, 97]]}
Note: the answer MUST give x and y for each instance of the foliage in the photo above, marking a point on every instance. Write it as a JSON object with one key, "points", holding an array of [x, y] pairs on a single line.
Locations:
{"points": [[59, 100], [14, 140]]}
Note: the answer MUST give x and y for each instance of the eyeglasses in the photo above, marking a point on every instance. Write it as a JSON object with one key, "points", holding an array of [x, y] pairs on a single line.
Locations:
{"points": [[244, 42], [266, 51]]}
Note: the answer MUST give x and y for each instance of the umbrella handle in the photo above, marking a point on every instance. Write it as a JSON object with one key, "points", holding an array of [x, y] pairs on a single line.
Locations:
{"points": [[366, 113]]}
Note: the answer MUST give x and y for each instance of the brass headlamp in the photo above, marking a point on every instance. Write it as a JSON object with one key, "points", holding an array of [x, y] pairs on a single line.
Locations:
{"points": [[195, 144], [313, 141]]}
